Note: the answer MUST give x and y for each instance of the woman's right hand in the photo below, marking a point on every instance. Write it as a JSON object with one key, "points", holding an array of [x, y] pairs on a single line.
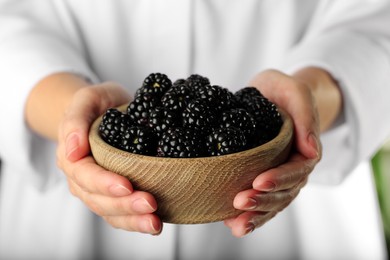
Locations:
{"points": [[107, 194]]}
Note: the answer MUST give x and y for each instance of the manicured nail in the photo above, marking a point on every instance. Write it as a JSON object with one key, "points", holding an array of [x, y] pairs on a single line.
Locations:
{"points": [[148, 227], [119, 190], [142, 205], [249, 228], [267, 186], [71, 144], [156, 228], [313, 141], [251, 204]]}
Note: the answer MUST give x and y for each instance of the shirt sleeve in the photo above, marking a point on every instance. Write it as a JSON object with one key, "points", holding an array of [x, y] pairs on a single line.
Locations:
{"points": [[33, 45], [351, 40]]}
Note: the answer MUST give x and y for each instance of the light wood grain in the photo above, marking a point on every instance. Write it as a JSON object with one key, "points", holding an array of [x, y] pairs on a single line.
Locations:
{"points": [[194, 190]]}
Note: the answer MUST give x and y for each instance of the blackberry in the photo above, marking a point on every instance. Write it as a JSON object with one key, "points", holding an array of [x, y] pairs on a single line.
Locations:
{"points": [[140, 108], [190, 118], [225, 141], [114, 123], [179, 82], [199, 115], [161, 119], [140, 140], [241, 119], [216, 96], [177, 97], [156, 84], [181, 143], [267, 117], [196, 81], [246, 94]]}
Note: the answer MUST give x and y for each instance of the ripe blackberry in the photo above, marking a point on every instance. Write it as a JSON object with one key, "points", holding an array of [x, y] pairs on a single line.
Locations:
{"points": [[225, 141], [179, 82], [113, 125], [246, 94], [140, 140], [181, 143], [156, 84], [267, 117], [177, 97], [187, 115], [241, 119], [216, 96], [140, 108], [196, 81], [199, 115], [161, 119]]}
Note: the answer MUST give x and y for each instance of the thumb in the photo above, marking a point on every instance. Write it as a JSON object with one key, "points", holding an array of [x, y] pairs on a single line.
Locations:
{"points": [[307, 140], [88, 104], [76, 145], [75, 130], [303, 110], [297, 100]]}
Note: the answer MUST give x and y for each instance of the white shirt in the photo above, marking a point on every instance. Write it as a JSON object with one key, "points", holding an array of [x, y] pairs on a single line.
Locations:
{"points": [[228, 41]]}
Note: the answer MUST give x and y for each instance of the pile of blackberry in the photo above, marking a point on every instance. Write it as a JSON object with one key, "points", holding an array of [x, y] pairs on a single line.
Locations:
{"points": [[190, 118]]}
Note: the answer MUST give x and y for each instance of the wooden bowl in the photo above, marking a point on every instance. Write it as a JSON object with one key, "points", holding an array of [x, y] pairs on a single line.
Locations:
{"points": [[194, 190]]}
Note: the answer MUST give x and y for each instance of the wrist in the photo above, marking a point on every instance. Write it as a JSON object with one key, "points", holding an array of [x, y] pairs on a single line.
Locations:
{"points": [[48, 101], [326, 93]]}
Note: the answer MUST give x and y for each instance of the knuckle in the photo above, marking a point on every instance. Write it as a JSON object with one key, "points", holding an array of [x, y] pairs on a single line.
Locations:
{"points": [[76, 176], [267, 201], [305, 181], [307, 168], [112, 222], [59, 163], [260, 219], [292, 194], [120, 205], [94, 207], [120, 222], [86, 93], [72, 188]]}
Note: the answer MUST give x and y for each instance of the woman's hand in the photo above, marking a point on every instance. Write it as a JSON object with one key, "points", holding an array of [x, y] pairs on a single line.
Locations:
{"points": [[107, 194], [274, 189]]}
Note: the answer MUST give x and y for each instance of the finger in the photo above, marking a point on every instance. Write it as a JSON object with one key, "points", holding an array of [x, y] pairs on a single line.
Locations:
{"points": [[285, 176], [135, 204], [148, 223], [247, 222], [252, 200], [229, 222], [92, 178]]}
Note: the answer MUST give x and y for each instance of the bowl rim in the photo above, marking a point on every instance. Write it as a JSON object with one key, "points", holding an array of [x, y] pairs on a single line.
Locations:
{"points": [[286, 131]]}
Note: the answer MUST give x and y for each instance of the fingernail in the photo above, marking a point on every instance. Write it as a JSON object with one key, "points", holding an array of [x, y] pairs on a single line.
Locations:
{"points": [[71, 144], [147, 226], [313, 141], [143, 206], [249, 228], [251, 204], [119, 190], [267, 186], [156, 228]]}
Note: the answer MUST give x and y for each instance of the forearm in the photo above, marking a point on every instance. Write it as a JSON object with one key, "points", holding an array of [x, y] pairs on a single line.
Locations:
{"points": [[325, 92], [48, 100]]}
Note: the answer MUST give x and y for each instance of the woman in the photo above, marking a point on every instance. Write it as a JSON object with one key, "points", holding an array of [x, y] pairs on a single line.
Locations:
{"points": [[60, 60]]}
